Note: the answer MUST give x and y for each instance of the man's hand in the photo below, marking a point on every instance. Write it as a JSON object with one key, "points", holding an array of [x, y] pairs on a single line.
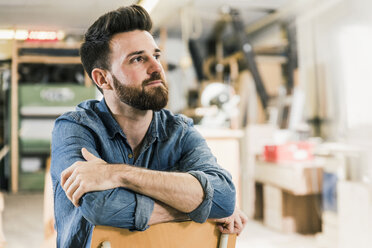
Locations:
{"points": [[233, 224], [92, 175]]}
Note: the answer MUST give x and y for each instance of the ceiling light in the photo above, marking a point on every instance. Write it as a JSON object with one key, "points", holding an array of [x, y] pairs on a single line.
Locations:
{"points": [[6, 34], [148, 5], [21, 34]]}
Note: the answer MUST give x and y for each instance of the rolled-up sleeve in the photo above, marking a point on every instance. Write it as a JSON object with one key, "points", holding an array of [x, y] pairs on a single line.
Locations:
{"points": [[117, 207], [219, 191]]}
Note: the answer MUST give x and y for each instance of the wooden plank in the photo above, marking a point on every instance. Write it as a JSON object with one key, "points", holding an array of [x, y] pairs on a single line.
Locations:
{"points": [[166, 235], [49, 59], [14, 152], [297, 178], [57, 45]]}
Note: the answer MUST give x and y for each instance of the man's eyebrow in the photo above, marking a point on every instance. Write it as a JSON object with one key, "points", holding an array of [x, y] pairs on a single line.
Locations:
{"points": [[135, 53], [157, 50]]}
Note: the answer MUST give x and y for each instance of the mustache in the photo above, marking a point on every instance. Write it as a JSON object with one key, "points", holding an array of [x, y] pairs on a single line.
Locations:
{"points": [[154, 76]]}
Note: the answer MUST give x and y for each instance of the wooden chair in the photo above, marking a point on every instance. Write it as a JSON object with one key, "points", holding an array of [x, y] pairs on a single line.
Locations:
{"points": [[166, 235]]}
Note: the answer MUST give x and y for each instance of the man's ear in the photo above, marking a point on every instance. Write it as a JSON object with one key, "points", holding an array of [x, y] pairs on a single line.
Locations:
{"points": [[101, 78]]}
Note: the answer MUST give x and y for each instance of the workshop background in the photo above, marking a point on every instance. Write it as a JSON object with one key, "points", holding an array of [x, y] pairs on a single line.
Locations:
{"points": [[280, 89]]}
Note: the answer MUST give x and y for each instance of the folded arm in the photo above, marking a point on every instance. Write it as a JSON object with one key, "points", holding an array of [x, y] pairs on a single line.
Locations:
{"points": [[181, 191]]}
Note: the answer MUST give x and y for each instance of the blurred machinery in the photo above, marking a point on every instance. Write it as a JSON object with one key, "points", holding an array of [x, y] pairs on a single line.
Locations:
{"points": [[220, 103], [227, 51]]}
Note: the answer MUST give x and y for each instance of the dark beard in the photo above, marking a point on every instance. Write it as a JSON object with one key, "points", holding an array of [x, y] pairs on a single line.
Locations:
{"points": [[153, 98]]}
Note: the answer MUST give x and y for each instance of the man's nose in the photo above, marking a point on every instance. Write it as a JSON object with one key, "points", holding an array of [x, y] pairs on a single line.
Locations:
{"points": [[154, 66]]}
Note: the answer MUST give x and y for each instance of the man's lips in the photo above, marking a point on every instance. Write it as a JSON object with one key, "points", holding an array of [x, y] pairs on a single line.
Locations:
{"points": [[154, 82]]}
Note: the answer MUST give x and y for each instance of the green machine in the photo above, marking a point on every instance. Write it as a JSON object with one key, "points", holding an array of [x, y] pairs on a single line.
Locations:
{"points": [[39, 106]]}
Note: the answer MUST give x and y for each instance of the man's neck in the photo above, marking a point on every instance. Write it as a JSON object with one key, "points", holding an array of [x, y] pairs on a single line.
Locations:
{"points": [[133, 122]]}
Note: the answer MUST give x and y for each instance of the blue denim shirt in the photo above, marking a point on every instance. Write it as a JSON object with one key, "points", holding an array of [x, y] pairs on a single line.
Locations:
{"points": [[170, 144]]}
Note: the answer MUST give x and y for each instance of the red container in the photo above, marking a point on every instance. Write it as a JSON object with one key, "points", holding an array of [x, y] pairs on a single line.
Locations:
{"points": [[292, 151]]}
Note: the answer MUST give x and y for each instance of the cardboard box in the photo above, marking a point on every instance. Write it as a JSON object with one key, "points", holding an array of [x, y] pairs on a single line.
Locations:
{"points": [[290, 213]]}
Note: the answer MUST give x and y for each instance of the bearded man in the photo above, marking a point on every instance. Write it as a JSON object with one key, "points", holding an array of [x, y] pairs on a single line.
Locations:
{"points": [[125, 161]]}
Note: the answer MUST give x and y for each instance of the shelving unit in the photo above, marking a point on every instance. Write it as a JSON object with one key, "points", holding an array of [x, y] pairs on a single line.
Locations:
{"points": [[4, 121], [32, 105]]}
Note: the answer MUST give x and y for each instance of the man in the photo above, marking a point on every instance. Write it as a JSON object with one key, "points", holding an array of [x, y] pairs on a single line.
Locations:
{"points": [[124, 161]]}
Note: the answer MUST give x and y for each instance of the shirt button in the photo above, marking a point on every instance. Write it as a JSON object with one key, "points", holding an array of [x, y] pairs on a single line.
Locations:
{"points": [[130, 156]]}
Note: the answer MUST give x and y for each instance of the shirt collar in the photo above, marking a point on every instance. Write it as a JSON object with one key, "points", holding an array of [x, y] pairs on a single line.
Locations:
{"points": [[158, 126], [156, 129], [111, 124]]}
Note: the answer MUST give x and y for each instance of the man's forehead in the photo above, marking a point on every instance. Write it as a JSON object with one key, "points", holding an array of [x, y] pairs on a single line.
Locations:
{"points": [[132, 41]]}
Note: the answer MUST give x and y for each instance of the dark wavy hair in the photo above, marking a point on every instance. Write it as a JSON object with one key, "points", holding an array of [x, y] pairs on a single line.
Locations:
{"points": [[95, 50]]}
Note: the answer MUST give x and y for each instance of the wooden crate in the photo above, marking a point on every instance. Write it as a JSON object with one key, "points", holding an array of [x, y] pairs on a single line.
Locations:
{"points": [[290, 213]]}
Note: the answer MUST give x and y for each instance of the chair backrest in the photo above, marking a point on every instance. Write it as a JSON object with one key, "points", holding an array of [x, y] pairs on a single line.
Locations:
{"points": [[166, 235]]}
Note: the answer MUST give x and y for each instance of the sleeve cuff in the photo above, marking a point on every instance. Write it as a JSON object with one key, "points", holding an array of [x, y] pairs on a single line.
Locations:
{"points": [[201, 213], [144, 208]]}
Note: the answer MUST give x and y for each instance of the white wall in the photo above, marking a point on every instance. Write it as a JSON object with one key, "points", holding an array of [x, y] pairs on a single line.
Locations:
{"points": [[335, 61]]}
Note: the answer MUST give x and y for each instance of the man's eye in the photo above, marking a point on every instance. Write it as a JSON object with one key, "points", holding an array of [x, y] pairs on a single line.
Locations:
{"points": [[157, 56], [137, 59]]}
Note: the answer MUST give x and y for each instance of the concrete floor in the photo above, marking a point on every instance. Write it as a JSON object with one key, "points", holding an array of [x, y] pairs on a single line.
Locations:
{"points": [[23, 220], [23, 227]]}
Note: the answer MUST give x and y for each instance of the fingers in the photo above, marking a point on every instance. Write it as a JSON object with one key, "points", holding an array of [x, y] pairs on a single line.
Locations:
{"points": [[87, 155], [233, 224], [70, 180], [222, 220], [74, 189], [71, 190], [220, 227], [240, 221], [83, 177], [230, 227], [243, 218], [238, 225], [67, 173], [79, 192], [227, 227]]}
